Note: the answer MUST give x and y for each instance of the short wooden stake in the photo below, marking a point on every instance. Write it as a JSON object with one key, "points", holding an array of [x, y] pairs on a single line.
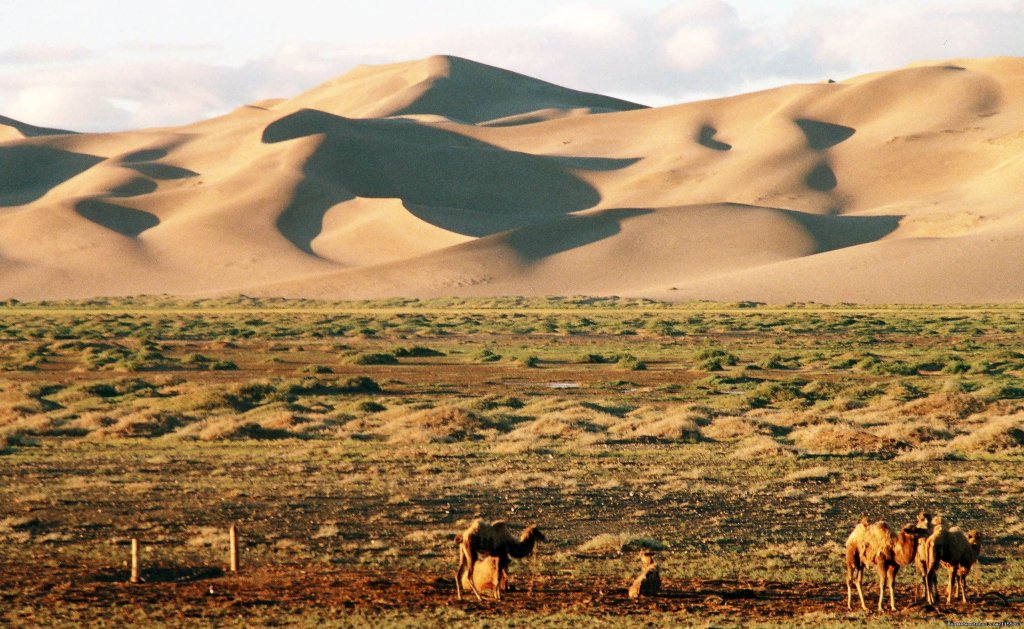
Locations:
{"points": [[135, 561], [233, 540]]}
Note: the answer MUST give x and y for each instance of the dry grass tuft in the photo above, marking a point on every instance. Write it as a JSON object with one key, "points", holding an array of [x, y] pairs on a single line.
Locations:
{"points": [[997, 435], [730, 428], [657, 425], [914, 432], [763, 447], [832, 439], [946, 406], [444, 424]]}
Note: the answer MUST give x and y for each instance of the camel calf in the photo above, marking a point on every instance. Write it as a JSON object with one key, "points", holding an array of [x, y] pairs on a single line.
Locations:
{"points": [[487, 576], [648, 583]]}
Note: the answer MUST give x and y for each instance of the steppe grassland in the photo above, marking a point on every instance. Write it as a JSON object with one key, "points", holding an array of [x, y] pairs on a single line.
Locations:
{"points": [[741, 441]]}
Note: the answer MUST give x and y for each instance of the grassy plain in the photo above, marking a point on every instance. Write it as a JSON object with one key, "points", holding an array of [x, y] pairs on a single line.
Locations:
{"points": [[351, 441]]}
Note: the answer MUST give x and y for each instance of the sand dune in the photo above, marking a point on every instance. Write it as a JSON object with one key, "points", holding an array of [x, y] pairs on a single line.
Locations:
{"points": [[449, 177]]}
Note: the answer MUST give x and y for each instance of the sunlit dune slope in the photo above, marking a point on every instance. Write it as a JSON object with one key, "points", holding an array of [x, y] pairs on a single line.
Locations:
{"points": [[449, 177]]}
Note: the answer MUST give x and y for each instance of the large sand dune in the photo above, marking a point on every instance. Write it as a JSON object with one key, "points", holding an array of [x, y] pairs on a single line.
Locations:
{"points": [[449, 177]]}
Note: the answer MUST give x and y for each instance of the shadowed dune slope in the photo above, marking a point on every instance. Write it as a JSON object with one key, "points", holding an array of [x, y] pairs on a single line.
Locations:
{"points": [[449, 177], [449, 87], [11, 129]]}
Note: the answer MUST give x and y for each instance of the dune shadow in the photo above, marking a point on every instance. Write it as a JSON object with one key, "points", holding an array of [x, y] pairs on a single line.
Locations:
{"points": [[426, 167], [32, 131], [591, 163], [124, 220], [839, 232], [706, 137], [134, 188], [822, 178], [823, 135], [535, 242], [163, 171], [29, 172], [145, 155]]}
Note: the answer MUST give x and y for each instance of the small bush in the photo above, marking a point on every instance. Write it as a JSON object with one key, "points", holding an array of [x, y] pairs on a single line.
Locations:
{"points": [[529, 361], [314, 369], [630, 362], [370, 406], [417, 352], [374, 359], [487, 356]]}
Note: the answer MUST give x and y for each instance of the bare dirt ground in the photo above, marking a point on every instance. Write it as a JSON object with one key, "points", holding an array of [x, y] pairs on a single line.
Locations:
{"points": [[184, 593]]}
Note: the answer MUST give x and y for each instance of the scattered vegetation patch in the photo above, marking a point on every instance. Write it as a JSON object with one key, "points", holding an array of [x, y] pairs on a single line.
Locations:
{"points": [[373, 359]]}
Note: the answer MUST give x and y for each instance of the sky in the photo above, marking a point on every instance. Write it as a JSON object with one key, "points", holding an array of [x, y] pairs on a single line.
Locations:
{"points": [[106, 65]]}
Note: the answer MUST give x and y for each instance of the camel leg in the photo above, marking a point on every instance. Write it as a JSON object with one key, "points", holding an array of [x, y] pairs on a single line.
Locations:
{"points": [[854, 576], [849, 588], [466, 561], [949, 591], [860, 590], [881, 588], [458, 574], [931, 587], [891, 579]]}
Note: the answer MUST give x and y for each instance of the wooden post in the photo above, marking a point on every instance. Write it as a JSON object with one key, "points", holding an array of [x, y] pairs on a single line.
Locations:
{"points": [[135, 561], [233, 541]]}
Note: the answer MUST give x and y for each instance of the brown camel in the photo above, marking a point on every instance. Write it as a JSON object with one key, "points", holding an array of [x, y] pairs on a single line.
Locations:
{"points": [[492, 540], [951, 547]]}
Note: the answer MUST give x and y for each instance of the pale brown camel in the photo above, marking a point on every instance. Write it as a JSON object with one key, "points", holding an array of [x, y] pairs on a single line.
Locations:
{"points": [[876, 545]]}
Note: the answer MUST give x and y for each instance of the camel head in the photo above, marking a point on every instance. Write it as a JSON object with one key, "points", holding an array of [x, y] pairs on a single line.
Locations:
{"points": [[974, 539], [533, 534], [906, 543], [646, 558], [924, 520]]}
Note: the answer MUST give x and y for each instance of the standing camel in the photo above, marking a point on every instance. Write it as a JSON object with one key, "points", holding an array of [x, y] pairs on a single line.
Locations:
{"points": [[493, 540], [876, 544]]}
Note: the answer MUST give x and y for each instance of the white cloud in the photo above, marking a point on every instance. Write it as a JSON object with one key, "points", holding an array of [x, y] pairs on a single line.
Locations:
{"points": [[688, 49], [694, 47], [66, 107], [588, 21]]}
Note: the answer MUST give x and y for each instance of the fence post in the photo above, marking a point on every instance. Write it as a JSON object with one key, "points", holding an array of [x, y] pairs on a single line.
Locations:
{"points": [[233, 540], [135, 561]]}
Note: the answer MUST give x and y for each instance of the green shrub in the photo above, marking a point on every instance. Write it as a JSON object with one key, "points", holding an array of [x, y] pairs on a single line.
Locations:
{"points": [[416, 352], [487, 356], [315, 369], [631, 362], [530, 361], [374, 359]]}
